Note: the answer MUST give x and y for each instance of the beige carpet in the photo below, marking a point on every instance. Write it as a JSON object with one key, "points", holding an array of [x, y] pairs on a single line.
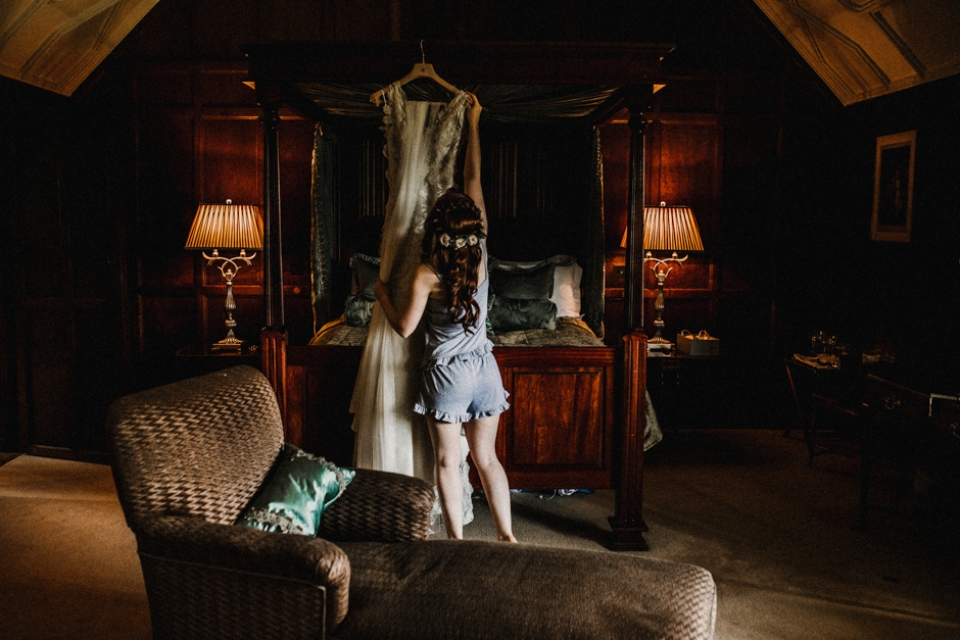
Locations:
{"points": [[68, 562], [777, 536]]}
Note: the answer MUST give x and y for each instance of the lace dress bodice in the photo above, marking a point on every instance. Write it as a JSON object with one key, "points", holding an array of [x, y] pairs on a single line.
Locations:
{"points": [[422, 141]]}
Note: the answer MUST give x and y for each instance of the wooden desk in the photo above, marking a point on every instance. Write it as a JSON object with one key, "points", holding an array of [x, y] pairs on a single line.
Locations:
{"points": [[916, 438]]}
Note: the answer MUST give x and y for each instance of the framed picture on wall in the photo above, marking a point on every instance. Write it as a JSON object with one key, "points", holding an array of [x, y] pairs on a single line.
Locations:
{"points": [[893, 187]]}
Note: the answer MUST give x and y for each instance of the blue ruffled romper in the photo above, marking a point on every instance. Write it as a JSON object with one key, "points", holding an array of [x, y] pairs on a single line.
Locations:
{"points": [[460, 379]]}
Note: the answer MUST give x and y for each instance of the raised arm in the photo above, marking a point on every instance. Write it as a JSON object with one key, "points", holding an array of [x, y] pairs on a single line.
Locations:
{"points": [[471, 162], [405, 321]]}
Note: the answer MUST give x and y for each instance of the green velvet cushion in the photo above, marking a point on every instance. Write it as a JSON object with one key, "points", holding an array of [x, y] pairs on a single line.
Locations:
{"points": [[527, 284], [358, 308], [508, 314], [297, 490]]}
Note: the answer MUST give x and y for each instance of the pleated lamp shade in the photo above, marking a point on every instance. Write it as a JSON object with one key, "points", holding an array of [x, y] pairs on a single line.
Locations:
{"points": [[669, 229], [226, 226]]}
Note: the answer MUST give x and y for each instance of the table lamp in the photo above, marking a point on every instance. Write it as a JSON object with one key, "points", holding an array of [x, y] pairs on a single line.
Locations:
{"points": [[666, 229], [227, 226]]}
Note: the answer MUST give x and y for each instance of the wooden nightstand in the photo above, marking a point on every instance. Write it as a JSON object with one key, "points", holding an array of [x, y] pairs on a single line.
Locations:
{"points": [[200, 359], [683, 389]]}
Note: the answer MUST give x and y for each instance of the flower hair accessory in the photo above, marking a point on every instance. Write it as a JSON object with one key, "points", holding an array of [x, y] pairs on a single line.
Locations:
{"points": [[458, 242]]}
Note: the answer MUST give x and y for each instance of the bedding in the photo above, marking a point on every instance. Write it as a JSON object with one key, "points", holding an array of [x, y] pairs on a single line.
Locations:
{"points": [[570, 332], [525, 296]]}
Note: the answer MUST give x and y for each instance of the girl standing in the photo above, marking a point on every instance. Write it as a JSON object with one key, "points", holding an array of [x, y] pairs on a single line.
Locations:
{"points": [[461, 387]]}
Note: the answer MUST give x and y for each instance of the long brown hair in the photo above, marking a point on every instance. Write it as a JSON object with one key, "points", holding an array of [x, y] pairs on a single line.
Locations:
{"points": [[456, 215]]}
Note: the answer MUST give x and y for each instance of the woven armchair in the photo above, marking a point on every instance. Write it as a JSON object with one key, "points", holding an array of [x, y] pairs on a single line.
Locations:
{"points": [[187, 458]]}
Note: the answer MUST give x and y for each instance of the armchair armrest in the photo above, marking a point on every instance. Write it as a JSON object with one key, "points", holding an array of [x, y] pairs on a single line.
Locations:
{"points": [[379, 506], [226, 578]]}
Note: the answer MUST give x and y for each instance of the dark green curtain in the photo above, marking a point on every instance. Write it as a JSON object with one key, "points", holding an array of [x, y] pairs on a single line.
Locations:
{"points": [[593, 279], [322, 214]]}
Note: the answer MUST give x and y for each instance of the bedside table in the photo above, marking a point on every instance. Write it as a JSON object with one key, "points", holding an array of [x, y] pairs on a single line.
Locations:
{"points": [[683, 388], [200, 359]]}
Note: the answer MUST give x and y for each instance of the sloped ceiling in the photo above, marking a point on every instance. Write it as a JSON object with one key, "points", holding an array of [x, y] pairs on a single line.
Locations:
{"points": [[860, 48], [56, 44], [863, 49]]}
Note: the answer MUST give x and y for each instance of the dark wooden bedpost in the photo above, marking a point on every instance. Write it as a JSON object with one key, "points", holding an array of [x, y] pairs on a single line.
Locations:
{"points": [[273, 337], [627, 522], [633, 287], [273, 260]]}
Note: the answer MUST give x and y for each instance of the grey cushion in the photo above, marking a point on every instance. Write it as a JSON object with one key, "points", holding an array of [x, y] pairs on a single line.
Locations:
{"points": [[528, 284], [358, 308], [366, 271], [508, 314]]}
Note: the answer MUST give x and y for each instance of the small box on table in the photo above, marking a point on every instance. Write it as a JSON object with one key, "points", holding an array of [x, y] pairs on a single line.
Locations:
{"points": [[702, 344]]}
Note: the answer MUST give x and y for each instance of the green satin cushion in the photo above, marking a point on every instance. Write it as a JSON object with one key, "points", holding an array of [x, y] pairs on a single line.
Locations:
{"points": [[297, 491]]}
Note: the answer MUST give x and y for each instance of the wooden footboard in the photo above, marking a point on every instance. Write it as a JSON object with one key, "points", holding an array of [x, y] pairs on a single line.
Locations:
{"points": [[576, 419], [319, 387], [558, 432]]}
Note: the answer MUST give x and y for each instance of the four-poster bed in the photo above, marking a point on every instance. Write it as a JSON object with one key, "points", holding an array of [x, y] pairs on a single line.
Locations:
{"points": [[578, 412]]}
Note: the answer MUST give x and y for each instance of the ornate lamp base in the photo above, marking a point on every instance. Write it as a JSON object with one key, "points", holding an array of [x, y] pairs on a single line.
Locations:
{"points": [[661, 270], [230, 343]]}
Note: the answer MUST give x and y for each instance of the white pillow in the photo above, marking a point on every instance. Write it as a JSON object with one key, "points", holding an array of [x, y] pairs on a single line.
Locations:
{"points": [[566, 282], [566, 289]]}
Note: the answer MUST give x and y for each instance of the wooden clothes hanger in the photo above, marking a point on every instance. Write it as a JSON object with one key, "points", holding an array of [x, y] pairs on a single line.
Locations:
{"points": [[421, 70]]}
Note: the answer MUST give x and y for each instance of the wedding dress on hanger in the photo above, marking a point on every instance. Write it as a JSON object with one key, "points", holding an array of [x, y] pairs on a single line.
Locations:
{"points": [[421, 144]]}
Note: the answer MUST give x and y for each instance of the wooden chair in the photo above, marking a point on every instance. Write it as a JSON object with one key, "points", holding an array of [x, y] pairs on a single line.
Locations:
{"points": [[827, 408]]}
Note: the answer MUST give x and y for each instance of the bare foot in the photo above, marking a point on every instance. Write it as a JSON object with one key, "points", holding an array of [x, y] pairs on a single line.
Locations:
{"points": [[507, 538]]}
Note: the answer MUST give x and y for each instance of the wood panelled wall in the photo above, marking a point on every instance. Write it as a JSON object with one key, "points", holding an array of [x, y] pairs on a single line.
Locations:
{"points": [[66, 179], [200, 139], [98, 193]]}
